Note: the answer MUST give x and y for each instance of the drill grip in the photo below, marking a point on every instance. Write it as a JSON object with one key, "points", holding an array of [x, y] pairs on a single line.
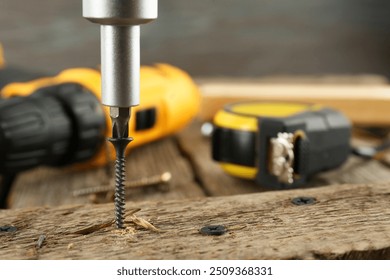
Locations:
{"points": [[54, 126]]}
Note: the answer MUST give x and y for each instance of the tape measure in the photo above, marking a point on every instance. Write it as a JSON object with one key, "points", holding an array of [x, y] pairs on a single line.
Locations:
{"points": [[279, 145]]}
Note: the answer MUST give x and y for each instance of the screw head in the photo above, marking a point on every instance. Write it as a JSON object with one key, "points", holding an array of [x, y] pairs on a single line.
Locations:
{"points": [[302, 200], [213, 230], [8, 229]]}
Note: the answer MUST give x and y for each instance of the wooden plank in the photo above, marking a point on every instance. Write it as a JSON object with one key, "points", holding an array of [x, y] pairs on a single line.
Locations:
{"points": [[215, 182], [194, 175], [364, 104], [53, 187], [347, 221]]}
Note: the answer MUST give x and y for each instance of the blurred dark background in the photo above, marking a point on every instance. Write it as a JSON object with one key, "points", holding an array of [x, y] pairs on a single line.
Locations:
{"points": [[213, 37]]}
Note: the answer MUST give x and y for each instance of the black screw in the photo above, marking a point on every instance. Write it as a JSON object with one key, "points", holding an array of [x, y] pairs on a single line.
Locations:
{"points": [[303, 200], [120, 145], [8, 229], [120, 132], [213, 230]]}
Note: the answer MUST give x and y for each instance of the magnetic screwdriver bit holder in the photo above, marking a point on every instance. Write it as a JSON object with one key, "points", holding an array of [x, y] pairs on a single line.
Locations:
{"points": [[120, 22]]}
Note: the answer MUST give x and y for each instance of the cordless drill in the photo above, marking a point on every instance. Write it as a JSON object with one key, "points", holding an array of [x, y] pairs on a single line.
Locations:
{"points": [[57, 121]]}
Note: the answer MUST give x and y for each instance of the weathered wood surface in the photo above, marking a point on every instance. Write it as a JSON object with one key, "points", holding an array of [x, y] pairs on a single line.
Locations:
{"points": [[363, 103], [53, 187], [194, 174], [347, 221]]}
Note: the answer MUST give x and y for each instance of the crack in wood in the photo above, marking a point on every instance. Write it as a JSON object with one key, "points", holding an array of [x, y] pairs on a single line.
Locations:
{"points": [[192, 162], [130, 214]]}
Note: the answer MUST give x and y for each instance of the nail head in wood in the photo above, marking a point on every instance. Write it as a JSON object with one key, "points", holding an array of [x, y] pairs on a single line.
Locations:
{"points": [[213, 230], [302, 200], [8, 229]]}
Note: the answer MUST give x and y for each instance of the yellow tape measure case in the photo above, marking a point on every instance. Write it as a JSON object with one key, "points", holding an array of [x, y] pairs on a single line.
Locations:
{"points": [[279, 145]]}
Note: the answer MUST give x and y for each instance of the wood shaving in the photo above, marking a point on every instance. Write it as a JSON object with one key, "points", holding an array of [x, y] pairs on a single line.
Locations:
{"points": [[70, 246], [40, 241], [143, 223], [93, 228]]}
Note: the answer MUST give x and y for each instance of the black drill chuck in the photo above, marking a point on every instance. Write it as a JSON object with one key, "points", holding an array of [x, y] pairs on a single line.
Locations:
{"points": [[54, 126]]}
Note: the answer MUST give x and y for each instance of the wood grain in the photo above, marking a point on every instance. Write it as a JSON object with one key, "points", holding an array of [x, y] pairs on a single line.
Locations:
{"points": [[53, 187], [194, 174], [364, 104], [348, 221]]}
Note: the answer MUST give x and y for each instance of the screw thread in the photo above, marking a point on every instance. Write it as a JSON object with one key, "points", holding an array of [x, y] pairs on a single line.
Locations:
{"points": [[120, 125], [119, 192]]}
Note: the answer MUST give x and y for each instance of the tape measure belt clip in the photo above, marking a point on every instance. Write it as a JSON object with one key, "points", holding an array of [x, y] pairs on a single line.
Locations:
{"points": [[279, 155]]}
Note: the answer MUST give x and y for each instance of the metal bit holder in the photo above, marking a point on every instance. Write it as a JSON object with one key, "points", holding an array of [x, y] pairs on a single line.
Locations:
{"points": [[120, 22]]}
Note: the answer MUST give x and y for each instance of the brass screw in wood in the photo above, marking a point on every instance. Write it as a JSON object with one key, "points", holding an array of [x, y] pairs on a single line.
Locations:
{"points": [[161, 179]]}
